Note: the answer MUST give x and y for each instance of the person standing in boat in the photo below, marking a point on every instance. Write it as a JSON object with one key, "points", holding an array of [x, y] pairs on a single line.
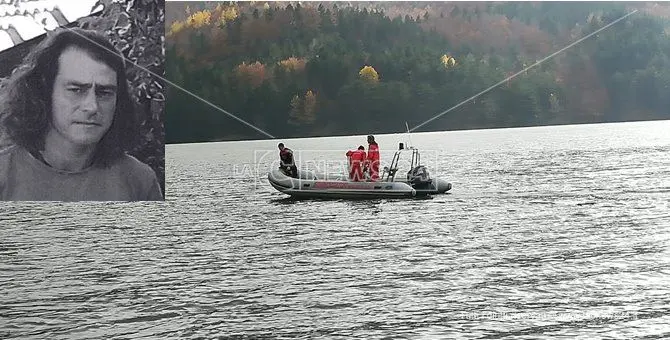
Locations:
{"points": [[356, 162], [286, 161], [372, 159]]}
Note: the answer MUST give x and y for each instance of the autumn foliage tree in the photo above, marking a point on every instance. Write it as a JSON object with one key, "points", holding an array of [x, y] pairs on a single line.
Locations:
{"points": [[293, 64], [199, 19], [253, 74], [306, 68], [448, 61], [369, 74]]}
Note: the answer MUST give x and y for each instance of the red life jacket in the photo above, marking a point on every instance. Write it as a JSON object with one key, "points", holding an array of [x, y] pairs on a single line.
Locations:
{"points": [[372, 161], [373, 152], [356, 155], [356, 160]]}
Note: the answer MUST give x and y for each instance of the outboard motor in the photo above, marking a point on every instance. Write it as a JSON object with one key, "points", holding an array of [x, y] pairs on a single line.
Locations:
{"points": [[419, 178]]}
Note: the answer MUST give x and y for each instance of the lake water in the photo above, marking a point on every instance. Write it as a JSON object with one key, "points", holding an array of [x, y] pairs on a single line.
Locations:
{"points": [[548, 232]]}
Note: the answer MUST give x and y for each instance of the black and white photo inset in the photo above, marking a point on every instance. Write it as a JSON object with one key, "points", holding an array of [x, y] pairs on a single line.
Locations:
{"points": [[81, 101]]}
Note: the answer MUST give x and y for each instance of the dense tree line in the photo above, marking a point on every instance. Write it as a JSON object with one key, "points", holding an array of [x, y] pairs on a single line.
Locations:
{"points": [[322, 68]]}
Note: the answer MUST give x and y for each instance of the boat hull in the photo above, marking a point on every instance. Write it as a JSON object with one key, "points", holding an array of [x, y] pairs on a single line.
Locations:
{"points": [[309, 185]]}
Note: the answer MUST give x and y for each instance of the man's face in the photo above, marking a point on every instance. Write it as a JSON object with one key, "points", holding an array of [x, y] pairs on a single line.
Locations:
{"points": [[83, 99]]}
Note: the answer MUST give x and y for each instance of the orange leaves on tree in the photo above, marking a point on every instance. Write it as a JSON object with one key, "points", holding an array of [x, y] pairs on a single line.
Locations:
{"points": [[254, 74], [293, 64]]}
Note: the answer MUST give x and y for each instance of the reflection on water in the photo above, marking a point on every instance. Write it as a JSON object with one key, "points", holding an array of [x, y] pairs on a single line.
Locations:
{"points": [[548, 232]]}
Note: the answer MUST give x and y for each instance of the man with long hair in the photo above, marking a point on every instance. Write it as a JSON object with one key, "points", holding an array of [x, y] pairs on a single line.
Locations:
{"points": [[70, 118]]}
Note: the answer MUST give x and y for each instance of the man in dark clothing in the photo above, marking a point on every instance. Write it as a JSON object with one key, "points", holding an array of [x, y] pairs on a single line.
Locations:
{"points": [[286, 161]]}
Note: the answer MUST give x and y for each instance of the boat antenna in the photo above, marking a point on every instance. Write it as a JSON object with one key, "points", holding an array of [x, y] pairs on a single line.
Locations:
{"points": [[409, 136]]}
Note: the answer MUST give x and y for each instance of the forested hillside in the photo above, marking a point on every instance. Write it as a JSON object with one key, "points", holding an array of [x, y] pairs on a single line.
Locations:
{"points": [[332, 68]]}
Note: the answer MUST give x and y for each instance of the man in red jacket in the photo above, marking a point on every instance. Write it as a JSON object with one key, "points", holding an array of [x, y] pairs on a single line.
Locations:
{"points": [[356, 160], [372, 161]]}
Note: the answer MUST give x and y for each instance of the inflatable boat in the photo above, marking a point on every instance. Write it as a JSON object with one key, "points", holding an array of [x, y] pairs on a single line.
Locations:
{"points": [[308, 184]]}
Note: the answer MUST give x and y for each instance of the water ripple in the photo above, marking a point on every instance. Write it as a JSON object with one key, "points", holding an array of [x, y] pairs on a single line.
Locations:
{"points": [[546, 234]]}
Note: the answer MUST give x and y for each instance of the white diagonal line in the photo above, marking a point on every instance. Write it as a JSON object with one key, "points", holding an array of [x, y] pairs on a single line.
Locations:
{"points": [[522, 71], [181, 88]]}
